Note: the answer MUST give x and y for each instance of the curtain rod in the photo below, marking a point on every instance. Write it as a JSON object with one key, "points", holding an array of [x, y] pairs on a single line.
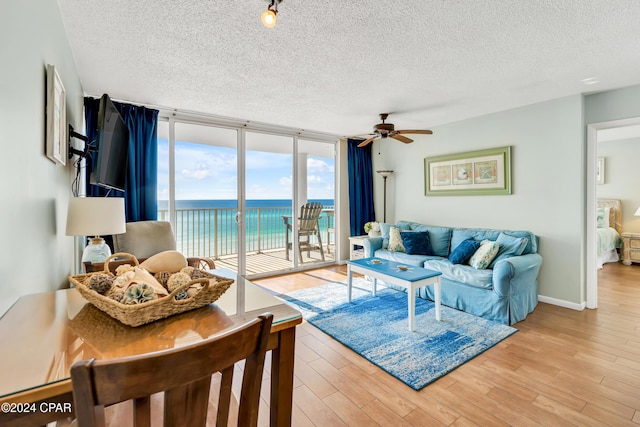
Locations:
{"points": [[166, 112]]}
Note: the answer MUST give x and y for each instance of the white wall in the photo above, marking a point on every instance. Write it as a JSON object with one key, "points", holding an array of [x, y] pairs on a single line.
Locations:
{"points": [[35, 254], [547, 141], [622, 160]]}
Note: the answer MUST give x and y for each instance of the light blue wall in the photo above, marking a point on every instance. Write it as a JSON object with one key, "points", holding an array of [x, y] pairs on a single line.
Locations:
{"points": [[549, 168], [35, 254], [612, 105], [547, 141]]}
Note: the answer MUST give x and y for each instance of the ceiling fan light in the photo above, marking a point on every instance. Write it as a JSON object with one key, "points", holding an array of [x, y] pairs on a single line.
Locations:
{"points": [[268, 18]]}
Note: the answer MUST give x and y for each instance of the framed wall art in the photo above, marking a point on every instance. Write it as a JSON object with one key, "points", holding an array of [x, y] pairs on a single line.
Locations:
{"points": [[56, 126], [483, 172]]}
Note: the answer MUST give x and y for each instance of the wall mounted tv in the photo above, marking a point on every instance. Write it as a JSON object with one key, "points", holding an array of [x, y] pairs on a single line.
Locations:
{"points": [[112, 146]]}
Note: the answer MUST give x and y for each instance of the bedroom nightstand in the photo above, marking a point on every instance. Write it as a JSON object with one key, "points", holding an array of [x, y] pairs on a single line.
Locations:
{"points": [[630, 248]]}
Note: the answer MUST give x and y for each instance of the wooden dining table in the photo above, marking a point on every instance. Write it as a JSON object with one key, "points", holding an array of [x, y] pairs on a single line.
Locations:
{"points": [[43, 334]]}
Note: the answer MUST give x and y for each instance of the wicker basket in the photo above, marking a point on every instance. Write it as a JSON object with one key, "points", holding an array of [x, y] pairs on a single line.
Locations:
{"points": [[139, 314]]}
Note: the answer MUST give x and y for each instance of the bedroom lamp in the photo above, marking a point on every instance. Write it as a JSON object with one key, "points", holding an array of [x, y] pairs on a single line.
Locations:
{"points": [[268, 17], [637, 212], [95, 216]]}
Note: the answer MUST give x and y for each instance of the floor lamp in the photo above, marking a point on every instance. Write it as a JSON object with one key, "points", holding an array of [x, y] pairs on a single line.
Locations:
{"points": [[385, 174]]}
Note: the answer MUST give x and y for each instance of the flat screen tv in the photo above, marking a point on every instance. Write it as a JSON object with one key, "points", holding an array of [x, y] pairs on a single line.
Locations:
{"points": [[112, 148]]}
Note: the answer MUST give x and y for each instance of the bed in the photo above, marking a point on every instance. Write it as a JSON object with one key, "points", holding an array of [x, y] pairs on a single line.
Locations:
{"points": [[609, 240]]}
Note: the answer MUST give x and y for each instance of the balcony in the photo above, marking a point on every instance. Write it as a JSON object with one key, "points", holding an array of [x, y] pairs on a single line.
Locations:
{"points": [[212, 232]]}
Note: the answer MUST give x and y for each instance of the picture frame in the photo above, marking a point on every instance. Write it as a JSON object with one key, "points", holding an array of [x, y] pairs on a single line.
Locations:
{"points": [[56, 122], [481, 172], [600, 170]]}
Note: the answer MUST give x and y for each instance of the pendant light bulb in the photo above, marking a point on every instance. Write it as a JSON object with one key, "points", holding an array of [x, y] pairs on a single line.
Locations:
{"points": [[268, 18]]}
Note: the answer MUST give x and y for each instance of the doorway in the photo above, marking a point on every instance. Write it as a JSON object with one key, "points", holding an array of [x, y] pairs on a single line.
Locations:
{"points": [[591, 200]]}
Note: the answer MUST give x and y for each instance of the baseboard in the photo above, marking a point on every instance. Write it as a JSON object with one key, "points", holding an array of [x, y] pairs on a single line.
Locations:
{"points": [[562, 303]]}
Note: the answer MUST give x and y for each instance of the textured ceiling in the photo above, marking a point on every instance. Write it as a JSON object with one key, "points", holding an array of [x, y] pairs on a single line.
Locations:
{"points": [[333, 66]]}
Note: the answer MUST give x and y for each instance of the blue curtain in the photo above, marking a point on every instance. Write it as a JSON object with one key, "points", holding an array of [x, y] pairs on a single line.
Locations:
{"points": [[141, 194], [360, 167]]}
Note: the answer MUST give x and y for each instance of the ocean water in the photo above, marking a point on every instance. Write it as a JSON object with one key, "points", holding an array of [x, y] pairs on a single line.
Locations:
{"points": [[208, 227]]}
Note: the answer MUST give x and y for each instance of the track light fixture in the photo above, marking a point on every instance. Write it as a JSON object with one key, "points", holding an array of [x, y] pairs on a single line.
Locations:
{"points": [[268, 17]]}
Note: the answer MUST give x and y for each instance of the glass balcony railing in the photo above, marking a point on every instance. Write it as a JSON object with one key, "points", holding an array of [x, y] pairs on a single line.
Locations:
{"points": [[212, 232]]}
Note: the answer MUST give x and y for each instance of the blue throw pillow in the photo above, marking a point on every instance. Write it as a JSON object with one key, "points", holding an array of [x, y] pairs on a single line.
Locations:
{"points": [[509, 246], [416, 242], [463, 252]]}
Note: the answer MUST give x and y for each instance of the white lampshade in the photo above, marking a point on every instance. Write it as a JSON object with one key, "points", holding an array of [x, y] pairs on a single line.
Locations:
{"points": [[637, 212], [95, 216]]}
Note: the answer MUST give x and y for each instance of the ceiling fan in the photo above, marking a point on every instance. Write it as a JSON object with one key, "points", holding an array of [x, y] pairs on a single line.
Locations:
{"points": [[387, 130]]}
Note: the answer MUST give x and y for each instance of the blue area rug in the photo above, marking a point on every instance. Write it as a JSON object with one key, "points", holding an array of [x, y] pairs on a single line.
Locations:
{"points": [[377, 329]]}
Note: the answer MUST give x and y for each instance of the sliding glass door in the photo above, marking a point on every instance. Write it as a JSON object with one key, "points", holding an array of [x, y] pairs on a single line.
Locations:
{"points": [[268, 190], [236, 195], [316, 183], [282, 174], [198, 190]]}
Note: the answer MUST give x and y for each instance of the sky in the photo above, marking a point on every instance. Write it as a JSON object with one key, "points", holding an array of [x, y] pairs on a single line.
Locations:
{"points": [[205, 172]]}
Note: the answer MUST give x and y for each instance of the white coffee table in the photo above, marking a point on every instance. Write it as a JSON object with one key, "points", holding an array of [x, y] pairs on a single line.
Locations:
{"points": [[394, 273]]}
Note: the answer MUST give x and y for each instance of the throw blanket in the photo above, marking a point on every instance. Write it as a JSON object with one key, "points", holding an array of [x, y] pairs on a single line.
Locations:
{"points": [[608, 239]]}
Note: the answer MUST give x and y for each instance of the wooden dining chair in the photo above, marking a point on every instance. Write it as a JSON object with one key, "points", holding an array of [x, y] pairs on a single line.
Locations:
{"points": [[184, 374]]}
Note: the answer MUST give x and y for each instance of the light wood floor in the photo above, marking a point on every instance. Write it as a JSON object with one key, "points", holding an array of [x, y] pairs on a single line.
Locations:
{"points": [[563, 367]]}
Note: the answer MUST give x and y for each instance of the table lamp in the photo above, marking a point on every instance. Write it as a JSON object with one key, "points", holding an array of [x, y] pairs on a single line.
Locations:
{"points": [[95, 216]]}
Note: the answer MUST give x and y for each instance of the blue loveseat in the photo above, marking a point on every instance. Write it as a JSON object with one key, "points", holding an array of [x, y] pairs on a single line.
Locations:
{"points": [[505, 292]]}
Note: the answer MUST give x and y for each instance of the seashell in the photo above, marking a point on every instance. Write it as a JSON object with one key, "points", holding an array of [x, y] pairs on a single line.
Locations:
{"points": [[101, 283], [138, 293], [171, 261], [194, 289], [123, 280], [143, 276], [176, 280], [121, 269]]}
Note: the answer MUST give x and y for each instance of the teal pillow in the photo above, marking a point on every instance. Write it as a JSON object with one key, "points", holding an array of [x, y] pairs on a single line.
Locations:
{"points": [[463, 251], [509, 246], [602, 215], [416, 242], [439, 238]]}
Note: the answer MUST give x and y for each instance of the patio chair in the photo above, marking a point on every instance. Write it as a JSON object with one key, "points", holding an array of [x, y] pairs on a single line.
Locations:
{"points": [[307, 227]]}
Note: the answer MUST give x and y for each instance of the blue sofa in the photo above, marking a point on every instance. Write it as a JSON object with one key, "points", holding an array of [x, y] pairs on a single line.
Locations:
{"points": [[505, 292]]}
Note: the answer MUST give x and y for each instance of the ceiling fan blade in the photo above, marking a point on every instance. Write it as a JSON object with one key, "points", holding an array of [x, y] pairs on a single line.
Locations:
{"points": [[367, 142], [416, 131], [360, 134], [401, 138]]}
